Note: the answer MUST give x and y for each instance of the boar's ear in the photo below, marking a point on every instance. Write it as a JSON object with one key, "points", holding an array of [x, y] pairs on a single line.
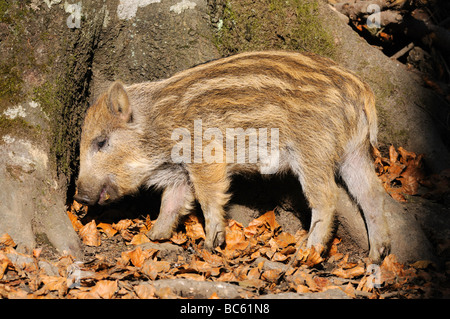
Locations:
{"points": [[118, 103]]}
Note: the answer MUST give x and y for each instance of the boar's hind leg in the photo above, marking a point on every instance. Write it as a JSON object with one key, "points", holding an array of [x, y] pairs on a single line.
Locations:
{"points": [[176, 200], [210, 183], [358, 173]]}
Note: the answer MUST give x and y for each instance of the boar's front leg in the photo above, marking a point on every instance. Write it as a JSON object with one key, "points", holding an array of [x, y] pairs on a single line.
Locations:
{"points": [[176, 201], [210, 183]]}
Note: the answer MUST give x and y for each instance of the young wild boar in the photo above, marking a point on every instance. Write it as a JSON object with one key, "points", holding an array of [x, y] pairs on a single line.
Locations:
{"points": [[321, 118]]}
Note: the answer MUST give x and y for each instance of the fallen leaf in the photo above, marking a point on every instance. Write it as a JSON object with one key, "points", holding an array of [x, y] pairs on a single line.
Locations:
{"points": [[309, 257], [349, 273], [179, 238], [105, 288], [165, 293], [235, 239], [55, 283], [349, 290], [334, 247], [122, 224], [213, 259], [145, 291], [192, 276], [254, 273], [136, 256], [252, 283], [422, 264], [269, 219], [194, 229], [285, 239], [139, 239], [214, 296], [150, 269], [271, 275], [107, 229], [6, 240], [76, 224], [393, 155], [300, 289], [227, 276], [90, 235], [3, 265]]}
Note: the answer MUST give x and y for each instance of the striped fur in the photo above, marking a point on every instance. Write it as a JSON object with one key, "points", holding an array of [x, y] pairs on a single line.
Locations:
{"points": [[325, 115]]}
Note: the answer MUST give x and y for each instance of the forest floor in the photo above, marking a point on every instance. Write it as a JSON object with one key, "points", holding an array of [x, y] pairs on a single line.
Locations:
{"points": [[260, 260]]}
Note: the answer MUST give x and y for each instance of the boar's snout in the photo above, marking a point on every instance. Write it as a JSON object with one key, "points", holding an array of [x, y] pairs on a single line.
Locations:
{"points": [[85, 197], [91, 195]]}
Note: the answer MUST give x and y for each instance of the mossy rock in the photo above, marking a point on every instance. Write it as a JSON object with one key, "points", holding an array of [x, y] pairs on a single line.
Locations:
{"points": [[245, 25]]}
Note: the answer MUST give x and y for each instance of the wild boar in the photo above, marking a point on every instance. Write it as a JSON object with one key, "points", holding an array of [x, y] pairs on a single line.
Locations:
{"points": [[170, 134]]}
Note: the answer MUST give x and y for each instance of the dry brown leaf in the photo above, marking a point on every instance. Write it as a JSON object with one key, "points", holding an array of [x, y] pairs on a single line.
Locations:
{"points": [[309, 257], [214, 296], [278, 256], [271, 275], [301, 289], [422, 264], [194, 229], [55, 283], [213, 259], [107, 229], [90, 235], [393, 155], [76, 224], [235, 239], [139, 239], [349, 273], [3, 265], [285, 239], [234, 225], [192, 276], [122, 224], [269, 219], [334, 247], [179, 238], [136, 256], [6, 240], [390, 263], [150, 269], [252, 230], [227, 276], [105, 288], [166, 293], [145, 291], [254, 273]]}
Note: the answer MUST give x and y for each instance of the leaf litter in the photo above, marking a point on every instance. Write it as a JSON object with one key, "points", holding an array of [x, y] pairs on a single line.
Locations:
{"points": [[258, 259]]}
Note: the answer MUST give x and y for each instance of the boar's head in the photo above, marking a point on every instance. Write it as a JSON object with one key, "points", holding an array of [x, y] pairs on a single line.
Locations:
{"points": [[109, 143]]}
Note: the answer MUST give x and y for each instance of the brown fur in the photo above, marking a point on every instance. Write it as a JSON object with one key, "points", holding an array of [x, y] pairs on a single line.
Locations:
{"points": [[325, 115]]}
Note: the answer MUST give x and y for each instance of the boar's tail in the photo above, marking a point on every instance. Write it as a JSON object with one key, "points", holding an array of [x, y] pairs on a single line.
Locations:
{"points": [[371, 115]]}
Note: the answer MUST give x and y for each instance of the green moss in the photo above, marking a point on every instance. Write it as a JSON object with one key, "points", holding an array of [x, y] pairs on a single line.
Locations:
{"points": [[18, 127], [246, 25], [10, 84]]}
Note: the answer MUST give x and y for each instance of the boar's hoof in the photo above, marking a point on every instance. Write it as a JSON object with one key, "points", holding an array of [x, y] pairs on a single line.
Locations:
{"points": [[378, 251], [157, 233], [217, 239]]}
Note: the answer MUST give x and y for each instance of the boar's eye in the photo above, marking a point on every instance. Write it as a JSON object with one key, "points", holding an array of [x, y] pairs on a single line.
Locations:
{"points": [[100, 143]]}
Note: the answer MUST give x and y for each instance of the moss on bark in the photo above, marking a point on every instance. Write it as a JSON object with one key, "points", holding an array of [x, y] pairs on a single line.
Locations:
{"points": [[245, 25]]}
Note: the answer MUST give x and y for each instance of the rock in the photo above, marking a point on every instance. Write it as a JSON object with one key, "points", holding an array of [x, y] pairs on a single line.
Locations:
{"points": [[327, 294], [199, 289]]}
